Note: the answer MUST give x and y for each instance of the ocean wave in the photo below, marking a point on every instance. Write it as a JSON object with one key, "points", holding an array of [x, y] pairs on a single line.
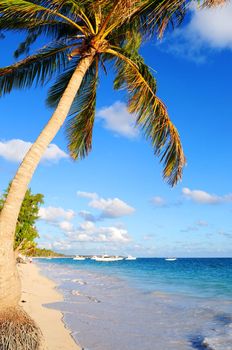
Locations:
{"points": [[78, 294], [219, 340], [76, 280]]}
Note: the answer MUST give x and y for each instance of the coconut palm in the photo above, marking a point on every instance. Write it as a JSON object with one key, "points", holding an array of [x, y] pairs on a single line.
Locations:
{"points": [[84, 36]]}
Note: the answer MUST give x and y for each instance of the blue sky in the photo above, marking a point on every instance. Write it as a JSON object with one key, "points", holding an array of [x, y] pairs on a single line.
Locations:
{"points": [[115, 201]]}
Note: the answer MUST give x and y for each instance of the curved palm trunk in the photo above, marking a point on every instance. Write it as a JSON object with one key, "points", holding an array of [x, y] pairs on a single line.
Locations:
{"points": [[9, 282]]}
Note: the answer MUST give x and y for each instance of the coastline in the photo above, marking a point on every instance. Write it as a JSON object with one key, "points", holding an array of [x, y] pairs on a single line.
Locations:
{"points": [[38, 291]]}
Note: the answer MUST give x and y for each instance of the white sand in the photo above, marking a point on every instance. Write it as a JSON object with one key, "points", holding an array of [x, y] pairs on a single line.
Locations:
{"points": [[36, 291]]}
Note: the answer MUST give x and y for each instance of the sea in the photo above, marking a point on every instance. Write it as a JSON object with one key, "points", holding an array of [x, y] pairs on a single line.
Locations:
{"points": [[145, 304]]}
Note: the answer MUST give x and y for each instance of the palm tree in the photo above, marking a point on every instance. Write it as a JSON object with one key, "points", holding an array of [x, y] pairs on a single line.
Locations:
{"points": [[84, 35]]}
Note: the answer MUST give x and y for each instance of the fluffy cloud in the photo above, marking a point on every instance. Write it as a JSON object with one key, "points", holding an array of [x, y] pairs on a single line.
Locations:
{"points": [[207, 28], [89, 232], [65, 226], [203, 197], [109, 208], [61, 245], [212, 26], [15, 150], [117, 118], [54, 214]]}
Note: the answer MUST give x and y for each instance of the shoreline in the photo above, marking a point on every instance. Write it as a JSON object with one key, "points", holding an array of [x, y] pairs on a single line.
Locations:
{"points": [[37, 291]]}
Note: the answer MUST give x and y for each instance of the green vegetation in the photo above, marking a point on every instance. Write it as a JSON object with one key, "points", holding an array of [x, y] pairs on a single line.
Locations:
{"points": [[42, 252], [26, 231]]}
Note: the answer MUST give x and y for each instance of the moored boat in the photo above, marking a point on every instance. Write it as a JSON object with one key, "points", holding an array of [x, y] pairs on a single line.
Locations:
{"points": [[130, 257], [78, 257], [108, 258]]}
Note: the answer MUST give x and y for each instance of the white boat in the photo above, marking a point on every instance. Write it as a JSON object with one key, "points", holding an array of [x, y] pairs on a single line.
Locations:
{"points": [[107, 258], [130, 257], [93, 257], [170, 259], [77, 257]]}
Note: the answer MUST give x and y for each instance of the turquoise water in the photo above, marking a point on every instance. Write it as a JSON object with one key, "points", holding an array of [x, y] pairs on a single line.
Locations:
{"points": [[201, 277], [151, 304]]}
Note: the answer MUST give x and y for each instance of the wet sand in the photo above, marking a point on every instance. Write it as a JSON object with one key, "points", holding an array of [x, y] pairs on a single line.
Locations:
{"points": [[37, 291]]}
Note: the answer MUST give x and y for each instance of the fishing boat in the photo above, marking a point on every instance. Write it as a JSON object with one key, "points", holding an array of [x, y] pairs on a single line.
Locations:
{"points": [[78, 257], [130, 257]]}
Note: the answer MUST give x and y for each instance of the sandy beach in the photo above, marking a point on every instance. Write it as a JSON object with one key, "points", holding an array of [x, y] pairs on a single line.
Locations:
{"points": [[37, 291]]}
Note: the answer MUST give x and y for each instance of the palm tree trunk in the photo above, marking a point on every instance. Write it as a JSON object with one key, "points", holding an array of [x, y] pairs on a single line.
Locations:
{"points": [[9, 282]]}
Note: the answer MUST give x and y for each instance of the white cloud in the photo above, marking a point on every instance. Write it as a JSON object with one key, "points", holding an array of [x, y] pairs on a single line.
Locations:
{"points": [[61, 245], [53, 214], [66, 226], [203, 197], [111, 208], [113, 234], [15, 150], [87, 226], [89, 232], [212, 26], [53, 152], [117, 118], [108, 207], [209, 29]]}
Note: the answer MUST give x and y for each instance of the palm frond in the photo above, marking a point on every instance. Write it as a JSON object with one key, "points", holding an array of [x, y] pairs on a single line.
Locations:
{"points": [[152, 115], [24, 46], [126, 9], [150, 16], [17, 23], [75, 10], [37, 68], [80, 126], [213, 3], [156, 15], [32, 10], [57, 89], [48, 27], [56, 30]]}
